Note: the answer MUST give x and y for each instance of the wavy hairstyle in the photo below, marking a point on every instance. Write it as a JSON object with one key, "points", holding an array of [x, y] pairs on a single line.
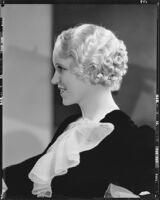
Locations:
{"points": [[98, 54]]}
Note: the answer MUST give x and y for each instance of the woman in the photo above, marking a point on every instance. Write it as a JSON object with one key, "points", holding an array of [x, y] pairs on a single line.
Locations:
{"points": [[102, 145]]}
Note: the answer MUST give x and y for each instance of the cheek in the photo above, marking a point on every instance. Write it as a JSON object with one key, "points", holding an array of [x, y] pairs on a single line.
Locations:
{"points": [[75, 86], [79, 91]]}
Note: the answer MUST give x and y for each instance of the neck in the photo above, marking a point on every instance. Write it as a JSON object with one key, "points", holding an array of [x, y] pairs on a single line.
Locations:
{"points": [[97, 104]]}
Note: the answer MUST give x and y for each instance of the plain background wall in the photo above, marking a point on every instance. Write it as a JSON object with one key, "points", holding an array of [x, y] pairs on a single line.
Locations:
{"points": [[136, 26], [27, 92]]}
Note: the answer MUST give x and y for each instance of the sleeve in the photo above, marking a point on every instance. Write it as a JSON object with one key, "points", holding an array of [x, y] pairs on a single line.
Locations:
{"points": [[143, 152], [16, 177], [136, 166]]}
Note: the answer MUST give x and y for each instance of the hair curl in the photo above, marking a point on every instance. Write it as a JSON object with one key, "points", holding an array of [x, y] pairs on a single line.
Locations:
{"points": [[99, 55]]}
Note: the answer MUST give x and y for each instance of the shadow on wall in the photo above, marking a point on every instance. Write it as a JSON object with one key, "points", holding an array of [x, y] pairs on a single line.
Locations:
{"points": [[18, 145]]}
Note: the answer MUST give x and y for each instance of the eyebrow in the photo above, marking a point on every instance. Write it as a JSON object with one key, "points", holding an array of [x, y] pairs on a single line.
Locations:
{"points": [[60, 65]]}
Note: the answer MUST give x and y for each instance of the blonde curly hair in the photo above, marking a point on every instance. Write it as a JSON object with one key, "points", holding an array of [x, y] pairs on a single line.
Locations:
{"points": [[99, 55]]}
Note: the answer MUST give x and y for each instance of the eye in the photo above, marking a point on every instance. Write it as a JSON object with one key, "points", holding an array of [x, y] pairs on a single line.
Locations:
{"points": [[60, 69]]}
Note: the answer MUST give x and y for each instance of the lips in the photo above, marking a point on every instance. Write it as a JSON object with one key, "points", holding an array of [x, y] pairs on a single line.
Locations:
{"points": [[62, 89]]}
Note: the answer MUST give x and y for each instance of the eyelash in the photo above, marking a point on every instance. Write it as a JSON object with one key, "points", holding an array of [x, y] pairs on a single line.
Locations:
{"points": [[60, 69]]}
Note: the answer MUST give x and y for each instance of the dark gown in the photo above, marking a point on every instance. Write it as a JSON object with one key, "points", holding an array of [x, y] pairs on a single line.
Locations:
{"points": [[125, 158]]}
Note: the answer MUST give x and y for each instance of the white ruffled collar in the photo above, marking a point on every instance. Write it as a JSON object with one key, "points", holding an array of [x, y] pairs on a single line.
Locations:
{"points": [[64, 153]]}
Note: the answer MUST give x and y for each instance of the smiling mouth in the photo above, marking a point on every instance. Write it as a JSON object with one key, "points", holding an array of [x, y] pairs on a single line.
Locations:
{"points": [[62, 90]]}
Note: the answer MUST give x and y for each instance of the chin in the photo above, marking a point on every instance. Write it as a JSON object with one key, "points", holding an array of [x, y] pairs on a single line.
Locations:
{"points": [[67, 102]]}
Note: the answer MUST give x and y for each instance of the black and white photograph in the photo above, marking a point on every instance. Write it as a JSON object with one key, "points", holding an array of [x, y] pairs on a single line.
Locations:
{"points": [[79, 116]]}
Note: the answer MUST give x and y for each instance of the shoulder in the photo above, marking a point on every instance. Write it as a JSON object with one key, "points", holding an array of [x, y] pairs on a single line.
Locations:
{"points": [[117, 117], [123, 124], [126, 131], [139, 139]]}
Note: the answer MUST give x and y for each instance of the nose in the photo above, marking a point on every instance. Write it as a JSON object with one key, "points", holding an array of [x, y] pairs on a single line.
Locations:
{"points": [[55, 78]]}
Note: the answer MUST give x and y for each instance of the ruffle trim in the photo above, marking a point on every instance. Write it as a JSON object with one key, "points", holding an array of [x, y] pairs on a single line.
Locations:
{"points": [[80, 136]]}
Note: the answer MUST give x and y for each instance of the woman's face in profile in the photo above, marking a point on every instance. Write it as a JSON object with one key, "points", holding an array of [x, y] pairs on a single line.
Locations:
{"points": [[73, 90]]}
